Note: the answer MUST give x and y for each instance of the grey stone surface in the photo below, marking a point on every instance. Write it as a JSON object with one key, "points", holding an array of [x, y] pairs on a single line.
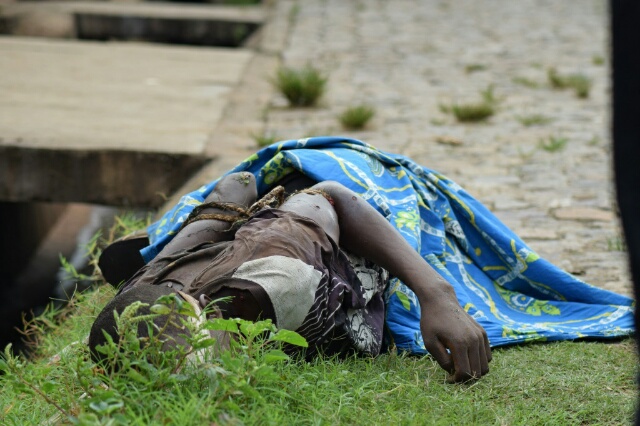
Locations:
{"points": [[408, 57]]}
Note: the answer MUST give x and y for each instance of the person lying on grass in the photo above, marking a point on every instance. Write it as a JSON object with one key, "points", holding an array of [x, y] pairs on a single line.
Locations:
{"points": [[316, 264]]}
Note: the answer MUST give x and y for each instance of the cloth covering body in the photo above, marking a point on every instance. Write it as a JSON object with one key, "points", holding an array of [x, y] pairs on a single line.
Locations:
{"points": [[510, 290]]}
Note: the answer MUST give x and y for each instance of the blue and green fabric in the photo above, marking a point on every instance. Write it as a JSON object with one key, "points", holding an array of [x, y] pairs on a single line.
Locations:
{"points": [[512, 292]]}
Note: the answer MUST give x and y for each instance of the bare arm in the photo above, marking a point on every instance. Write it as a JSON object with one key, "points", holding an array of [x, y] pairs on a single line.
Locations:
{"points": [[444, 324]]}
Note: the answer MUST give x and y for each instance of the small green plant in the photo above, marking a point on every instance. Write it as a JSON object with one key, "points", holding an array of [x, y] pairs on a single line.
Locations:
{"points": [[326, 390], [302, 87], [474, 111], [580, 83], [488, 95], [265, 139], [474, 68], [526, 82], [85, 392], [616, 244], [533, 119], [357, 117], [552, 143], [123, 224], [471, 112], [597, 60]]}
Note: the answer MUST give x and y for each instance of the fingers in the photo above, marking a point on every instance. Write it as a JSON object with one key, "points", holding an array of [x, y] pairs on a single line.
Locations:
{"points": [[461, 348], [440, 354], [470, 358], [487, 346], [463, 360]]}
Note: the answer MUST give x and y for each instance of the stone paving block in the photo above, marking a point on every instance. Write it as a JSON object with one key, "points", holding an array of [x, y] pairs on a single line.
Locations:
{"points": [[583, 214]]}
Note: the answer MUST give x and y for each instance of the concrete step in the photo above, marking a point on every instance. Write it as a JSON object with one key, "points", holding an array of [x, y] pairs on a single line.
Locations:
{"points": [[192, 24], [110, 123]]}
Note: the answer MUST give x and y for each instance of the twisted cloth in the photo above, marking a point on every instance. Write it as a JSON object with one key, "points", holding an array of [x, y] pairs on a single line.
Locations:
{"points": [[510, 290]]}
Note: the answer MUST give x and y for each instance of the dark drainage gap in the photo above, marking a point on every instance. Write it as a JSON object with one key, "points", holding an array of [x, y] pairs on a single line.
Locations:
{"points": [[34, 236], [194, 32]]}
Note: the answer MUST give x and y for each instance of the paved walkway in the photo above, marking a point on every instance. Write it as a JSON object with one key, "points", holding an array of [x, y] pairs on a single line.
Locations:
{"points": [[406, 58]]}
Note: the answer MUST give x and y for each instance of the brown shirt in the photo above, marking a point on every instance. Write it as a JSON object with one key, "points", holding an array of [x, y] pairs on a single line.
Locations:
{"points": [[344, 316]]}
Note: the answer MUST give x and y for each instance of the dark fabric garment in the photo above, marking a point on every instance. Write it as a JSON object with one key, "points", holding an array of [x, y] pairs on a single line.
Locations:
{"points": [[625, 37], [346, 316]]}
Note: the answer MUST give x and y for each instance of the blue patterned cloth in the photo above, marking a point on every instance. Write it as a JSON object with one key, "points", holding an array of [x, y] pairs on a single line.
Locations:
{"points": [[511, 291]]}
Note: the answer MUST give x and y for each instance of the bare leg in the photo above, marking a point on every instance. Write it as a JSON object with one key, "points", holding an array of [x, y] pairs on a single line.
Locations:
{"points": [[238, 188]]}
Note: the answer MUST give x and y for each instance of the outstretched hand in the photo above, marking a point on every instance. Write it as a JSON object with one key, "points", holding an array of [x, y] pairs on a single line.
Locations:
{"points": [[457, 342], [446, 326]]}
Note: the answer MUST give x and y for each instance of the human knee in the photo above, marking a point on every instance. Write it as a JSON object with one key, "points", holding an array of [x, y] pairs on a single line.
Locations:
{"points": [[336, 191], [239, 188], [331, 187]]}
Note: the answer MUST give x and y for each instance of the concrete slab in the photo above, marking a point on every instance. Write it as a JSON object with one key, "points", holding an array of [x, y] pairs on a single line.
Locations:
{"points": [[190, 24], [254, 14], [88, 98]]}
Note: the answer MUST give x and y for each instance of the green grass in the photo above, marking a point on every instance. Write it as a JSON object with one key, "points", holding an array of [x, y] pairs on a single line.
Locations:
{"points": [[474, 111], [552, 143], [576, 383], [616, 243], [533, 119], [357, 117], [301, 87], [474, 68], [580, 83]]}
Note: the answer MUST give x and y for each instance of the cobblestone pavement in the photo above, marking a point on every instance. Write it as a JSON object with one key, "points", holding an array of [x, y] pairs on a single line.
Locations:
{"points": [[409, 58]]}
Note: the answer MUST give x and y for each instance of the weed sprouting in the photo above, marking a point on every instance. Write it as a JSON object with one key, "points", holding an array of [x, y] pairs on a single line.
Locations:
{"points": [[302, 87], [471, 112], [580, 83], [533, 119], [474, 111], [616, 244], [474, 68], [357, 117], [552, 143], [489, 96]]}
